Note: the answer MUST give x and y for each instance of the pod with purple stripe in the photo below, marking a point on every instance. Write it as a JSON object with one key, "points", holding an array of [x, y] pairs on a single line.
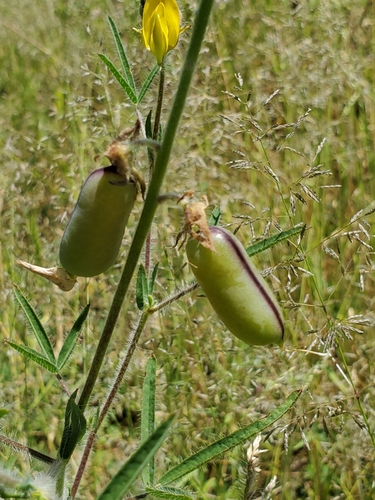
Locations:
{"points": [[235, 288]]}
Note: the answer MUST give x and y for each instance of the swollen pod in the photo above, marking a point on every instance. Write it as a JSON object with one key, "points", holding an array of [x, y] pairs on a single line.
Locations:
{"points": [[93, 236], [236, 290]]}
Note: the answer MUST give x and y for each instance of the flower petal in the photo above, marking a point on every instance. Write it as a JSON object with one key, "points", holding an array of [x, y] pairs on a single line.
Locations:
{"points": [[159, 33], [172, 15]]}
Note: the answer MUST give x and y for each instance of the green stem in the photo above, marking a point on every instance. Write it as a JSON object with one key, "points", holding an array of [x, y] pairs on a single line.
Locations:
{"points": [[151, 201], [57, 471], [155, 135], [155, 132], [173, 298], [60, 483]]}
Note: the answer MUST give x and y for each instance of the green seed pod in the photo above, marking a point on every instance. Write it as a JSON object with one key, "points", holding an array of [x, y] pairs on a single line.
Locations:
{"points": [[236, 290], [93, 236]]}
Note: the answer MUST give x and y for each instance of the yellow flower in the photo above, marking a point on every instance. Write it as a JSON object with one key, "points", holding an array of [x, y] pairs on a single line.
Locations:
{"points": [[160, 27]]}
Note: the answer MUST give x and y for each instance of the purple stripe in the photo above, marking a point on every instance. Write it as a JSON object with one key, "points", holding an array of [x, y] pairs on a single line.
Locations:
{"points": [[239, 252]]}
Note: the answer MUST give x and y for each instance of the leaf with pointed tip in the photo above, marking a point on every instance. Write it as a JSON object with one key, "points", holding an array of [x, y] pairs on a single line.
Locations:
{"points": [[124, 84], [122, 55], [74, 428], [36, 325], [34, 356], [225, 444], [215, 216], [141, 296], [169, 493], [148, 130], [72, 337], [148, 415], [148, 125], [147, 82], [121, 482], [260, 246]]}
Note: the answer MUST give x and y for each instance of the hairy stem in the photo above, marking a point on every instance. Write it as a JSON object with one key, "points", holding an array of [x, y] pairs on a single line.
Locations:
{"points": [[173, 298], [133, 341], [26, 450]]}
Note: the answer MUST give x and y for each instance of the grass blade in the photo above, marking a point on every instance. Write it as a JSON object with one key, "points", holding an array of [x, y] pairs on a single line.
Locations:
{"points": [[148, 415], [122, 55], [147, 82], [129, 472], [170, 493], [273, 240], [225, 444], [124, 84], [36, 325], [72, 337], [34, 356]]}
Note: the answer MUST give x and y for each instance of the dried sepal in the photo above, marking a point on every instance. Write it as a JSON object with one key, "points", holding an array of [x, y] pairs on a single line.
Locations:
{"points": [[57, 275], [196, 225], [119, 152]]}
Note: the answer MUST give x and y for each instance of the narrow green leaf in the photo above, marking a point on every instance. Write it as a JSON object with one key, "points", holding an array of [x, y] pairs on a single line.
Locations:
{"points": [[16, 446], [141, 296], [72, 337], [122, 55], [148, 415], [152, 279], [148, 125], [74, 428], [169, 493], [36, 325], [129, 472], [124, 84], [34, 356], [147, 82], [148, 129], [225, 444], [215, 216], [260, 246]]}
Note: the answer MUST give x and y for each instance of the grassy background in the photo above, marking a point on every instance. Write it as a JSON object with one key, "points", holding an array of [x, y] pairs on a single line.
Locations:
{"points": [[59, 108]]}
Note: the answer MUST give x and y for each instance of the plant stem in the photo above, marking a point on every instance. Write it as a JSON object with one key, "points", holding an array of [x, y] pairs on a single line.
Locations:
{"points": [[133, 341], [26, 450], [250, 486], [57, 471], [151, 202], [359, 402], [171, 299], [155, 134]]}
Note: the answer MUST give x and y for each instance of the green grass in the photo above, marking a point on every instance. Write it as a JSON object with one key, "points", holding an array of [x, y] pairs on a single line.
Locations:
{"points": [[59, 108]]}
